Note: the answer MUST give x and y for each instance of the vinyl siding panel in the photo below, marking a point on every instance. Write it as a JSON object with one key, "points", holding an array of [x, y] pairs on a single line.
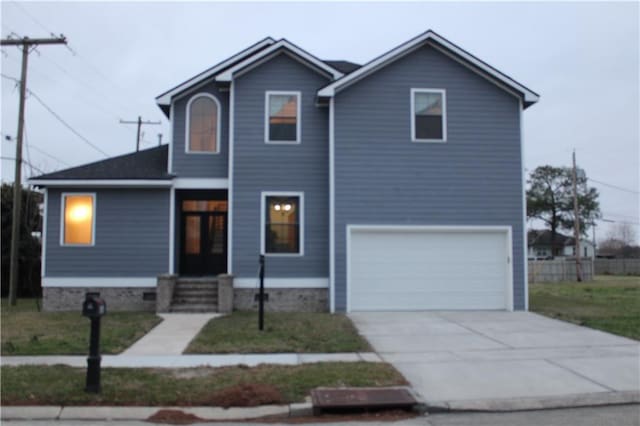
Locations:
{"points": [[200, 165], [266, 167], [381, 177], [131, 235]]}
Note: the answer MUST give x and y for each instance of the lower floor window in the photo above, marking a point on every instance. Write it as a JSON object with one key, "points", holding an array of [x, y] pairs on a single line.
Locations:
{"points": [[78, 213], [281, 223]]}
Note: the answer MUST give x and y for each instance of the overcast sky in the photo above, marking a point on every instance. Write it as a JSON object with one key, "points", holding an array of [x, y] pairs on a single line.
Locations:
{"points": [[582, 58]]}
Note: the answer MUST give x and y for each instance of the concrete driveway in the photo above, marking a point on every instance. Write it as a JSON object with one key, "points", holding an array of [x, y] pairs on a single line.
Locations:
{"points": [[504, 360]]}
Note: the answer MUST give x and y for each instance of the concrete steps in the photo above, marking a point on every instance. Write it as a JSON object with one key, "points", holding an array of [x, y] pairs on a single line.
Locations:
{"points": [[195, 295]]}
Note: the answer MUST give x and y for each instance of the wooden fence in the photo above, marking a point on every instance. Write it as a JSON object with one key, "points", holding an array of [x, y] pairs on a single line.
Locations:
{"points": [[556, 270], [617, 267]]}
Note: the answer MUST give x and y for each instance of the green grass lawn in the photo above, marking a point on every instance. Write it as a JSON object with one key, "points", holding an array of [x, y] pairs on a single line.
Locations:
{"points": [[25, 331], [283, 332], [61, 385], [608, 303]]}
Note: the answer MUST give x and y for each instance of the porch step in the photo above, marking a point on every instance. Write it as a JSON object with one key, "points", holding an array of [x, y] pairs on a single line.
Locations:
{"points": [[195, 294]]}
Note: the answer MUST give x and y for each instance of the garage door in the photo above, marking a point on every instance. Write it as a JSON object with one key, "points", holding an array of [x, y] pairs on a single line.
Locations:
{"points": [[422, 268]]}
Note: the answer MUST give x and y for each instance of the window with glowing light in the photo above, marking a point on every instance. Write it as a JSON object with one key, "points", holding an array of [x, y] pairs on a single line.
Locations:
{"points": [[78, 213], [282, 225]]}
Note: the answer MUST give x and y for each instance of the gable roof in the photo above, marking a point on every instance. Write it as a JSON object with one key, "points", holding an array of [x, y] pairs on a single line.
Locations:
{"points": [[150, 164], [280, 46], [164, 100], [502, 80]]}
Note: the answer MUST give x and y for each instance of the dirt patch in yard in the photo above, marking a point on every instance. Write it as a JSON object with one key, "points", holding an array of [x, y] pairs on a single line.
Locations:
{"points": [[247, 395]]}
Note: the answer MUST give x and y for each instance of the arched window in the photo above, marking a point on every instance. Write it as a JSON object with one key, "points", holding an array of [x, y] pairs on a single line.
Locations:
{"points": [[203, 129]]}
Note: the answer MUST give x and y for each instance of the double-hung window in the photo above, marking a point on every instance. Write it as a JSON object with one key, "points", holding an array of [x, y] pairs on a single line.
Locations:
{"points": [[282, 117], [78, 219], [282, 223], [428, 115]]}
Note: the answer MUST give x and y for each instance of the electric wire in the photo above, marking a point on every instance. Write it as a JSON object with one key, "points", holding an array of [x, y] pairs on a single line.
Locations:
{"points": [[57, 116]]}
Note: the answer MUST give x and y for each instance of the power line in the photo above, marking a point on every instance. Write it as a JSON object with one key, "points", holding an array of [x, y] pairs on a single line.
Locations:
{"points": [[60, 119], [614, 186], [67, 125], [24, 161], [33, 18]]}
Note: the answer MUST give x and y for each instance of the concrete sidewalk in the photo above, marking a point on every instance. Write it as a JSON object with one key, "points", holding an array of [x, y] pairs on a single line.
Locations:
{"points": [[504, 360], [171, 336], [189, 361]]}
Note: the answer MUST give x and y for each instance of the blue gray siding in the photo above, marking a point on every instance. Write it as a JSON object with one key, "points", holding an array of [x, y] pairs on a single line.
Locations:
{"points": [[131, 235], [262, 167], [381, 177], [200, 165]]}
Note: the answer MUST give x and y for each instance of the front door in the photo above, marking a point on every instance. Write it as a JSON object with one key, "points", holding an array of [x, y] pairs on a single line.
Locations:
{"points": [[204, 240]]}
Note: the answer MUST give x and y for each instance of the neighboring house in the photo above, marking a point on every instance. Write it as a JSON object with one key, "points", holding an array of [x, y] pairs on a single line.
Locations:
{"points": [[395, 185], [539, 245]]}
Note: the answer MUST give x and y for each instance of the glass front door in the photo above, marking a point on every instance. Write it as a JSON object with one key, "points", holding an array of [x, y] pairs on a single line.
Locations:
{"points": [[204, 237]]}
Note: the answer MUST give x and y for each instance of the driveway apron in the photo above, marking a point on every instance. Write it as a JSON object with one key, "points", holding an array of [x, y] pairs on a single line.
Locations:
{"points": [[453, 357]]}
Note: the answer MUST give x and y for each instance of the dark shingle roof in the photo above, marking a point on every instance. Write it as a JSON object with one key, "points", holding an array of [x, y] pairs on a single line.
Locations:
{"points": [[147, 164], [344, 67], [542, 238]]}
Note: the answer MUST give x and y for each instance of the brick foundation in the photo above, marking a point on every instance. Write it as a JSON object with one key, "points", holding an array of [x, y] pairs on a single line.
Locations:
{"points": [[283, 299], [117, 298]]}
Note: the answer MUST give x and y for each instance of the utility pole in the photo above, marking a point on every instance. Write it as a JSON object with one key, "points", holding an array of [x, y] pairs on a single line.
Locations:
{"points": [[26, 44], [576, 214], [139, 122], [159, 139]]}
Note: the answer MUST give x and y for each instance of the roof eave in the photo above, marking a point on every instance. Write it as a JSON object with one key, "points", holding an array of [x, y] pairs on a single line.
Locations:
{"points": [[164, 99], [228, 74], [528, 96], [103, 183]]}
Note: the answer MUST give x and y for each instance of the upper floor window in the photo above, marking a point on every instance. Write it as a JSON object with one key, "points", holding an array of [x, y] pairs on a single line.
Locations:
{"points": [[203, 124], [78, 219], [282, 118], [428, 115]]}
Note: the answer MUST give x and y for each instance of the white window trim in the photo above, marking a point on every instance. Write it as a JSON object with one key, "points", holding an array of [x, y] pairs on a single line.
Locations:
{"points": [[263, 207], [442, 92], [94, 198], [298, 117], [187, 113]]}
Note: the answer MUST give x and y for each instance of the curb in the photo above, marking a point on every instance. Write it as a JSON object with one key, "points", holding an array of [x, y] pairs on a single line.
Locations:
{"points": [[536, 403], [143, 413]]}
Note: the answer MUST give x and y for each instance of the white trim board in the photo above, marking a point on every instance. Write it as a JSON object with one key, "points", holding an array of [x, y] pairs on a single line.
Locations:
{"points": [[406, 48], [92, 282], [434, 228], [43, 239], [332, 207], [281, 282], [230, 181], [201, 183], [187, 125], [525, 242], [165, 98], [104, 183], [228, 74]]}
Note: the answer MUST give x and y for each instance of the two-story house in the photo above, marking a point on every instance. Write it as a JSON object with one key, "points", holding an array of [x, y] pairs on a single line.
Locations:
{"points": [[394, 185]]}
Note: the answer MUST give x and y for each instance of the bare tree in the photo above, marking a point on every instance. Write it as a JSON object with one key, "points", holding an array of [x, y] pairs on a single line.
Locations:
{"points": [[623, 232]]}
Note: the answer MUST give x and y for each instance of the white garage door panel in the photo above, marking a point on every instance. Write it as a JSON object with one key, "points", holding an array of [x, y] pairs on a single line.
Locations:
{"points": [[427, 269]]}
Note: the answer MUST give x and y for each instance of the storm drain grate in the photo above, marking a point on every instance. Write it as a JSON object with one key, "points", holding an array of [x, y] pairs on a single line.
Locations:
{"points": [[344, 399]]}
